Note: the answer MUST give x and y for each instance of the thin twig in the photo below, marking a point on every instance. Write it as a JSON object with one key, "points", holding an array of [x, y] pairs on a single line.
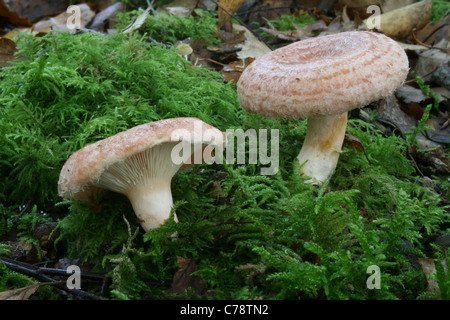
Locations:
{"points": [[424, 76], [447, 51], [39, 273], [434, 31]]}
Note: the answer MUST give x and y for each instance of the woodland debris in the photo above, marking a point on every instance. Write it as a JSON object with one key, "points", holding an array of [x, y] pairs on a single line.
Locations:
{"points": [[399, 23], [7, 51], [429, 268], [41, 274], [183, 278]]}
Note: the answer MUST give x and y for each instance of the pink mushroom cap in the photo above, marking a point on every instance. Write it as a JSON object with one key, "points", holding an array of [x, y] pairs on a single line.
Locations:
{"points": [[325, 75]]}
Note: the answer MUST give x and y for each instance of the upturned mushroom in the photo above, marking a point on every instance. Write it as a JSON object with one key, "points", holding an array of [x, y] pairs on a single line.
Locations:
{"points": [[140, 163], [321, 79]]}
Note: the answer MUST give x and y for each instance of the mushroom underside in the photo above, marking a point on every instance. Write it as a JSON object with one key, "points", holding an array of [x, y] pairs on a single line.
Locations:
{"points": [[145, 178]]}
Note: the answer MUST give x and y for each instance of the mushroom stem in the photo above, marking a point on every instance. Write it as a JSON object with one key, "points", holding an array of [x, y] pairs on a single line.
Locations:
{"points": [[323, 142], [152, 203]]}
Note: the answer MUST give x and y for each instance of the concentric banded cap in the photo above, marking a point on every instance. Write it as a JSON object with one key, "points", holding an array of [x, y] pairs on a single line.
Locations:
{"points": [[85, 166], [324, 75]]}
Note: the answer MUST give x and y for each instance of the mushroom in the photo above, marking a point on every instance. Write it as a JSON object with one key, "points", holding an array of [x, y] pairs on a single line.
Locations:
{"points": [[321, 79], [140, 163]]}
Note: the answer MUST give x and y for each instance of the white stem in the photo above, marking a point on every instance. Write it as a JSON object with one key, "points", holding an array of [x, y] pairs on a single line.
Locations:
{"points": [[152, 203], [323, 142]]}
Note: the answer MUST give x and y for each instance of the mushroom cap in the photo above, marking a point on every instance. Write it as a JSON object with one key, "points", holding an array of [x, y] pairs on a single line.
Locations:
{"points": [[325, 75], [85, 166]]}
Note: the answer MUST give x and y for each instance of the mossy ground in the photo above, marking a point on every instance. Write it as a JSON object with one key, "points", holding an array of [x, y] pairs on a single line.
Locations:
{"points": [[250, 236]]}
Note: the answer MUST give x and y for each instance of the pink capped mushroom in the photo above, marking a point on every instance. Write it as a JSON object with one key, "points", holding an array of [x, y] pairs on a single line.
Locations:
{"points": [[140, 163], [321, 79]]}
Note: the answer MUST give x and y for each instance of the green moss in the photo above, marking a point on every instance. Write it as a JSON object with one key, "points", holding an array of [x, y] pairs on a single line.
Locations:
{"points": [[69, 91], [289, 22], [250, 235], [439, 10], [167, 28]]}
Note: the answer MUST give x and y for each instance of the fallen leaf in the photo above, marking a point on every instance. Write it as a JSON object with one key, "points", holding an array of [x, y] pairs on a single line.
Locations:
{"points": [[435, 31], [400, 22], [441, 133], [60, 22], [35, 10], [430, 60], [429, 268], [183, 278], [19, 294], [12, 17], [358, 8], [390, 112], [233, 70], [227, 7], [252, 47], [179, 11], [351, 141], [138, 22], [389, 5], [409, 94], [7, 51], [106, 16]]}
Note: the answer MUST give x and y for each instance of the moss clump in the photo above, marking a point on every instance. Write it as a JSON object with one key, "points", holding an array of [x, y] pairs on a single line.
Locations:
{"points": [[167, 28], [68, 91], [290, 22], [439, 10]]}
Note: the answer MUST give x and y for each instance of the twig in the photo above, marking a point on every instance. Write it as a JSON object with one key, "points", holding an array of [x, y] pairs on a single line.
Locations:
{"points": [[22, 212], [39, 273], [435, 30], [424, 76], [415, 164], [447, 51]]}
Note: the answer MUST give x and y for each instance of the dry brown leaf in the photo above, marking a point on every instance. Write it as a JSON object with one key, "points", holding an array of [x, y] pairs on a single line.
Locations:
{"points": [[430, 60], [432, 162], [12, 17], [233, 70], [183, 278], [252, 47], [435, 31], [441, 133], [7, 51], [359, 7], [351, 141], [14, 33], [138, 22], [227, 7], [389, 5], [34, 10], [20, 294], [390, 112], [60, 21], [400, 22]]}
